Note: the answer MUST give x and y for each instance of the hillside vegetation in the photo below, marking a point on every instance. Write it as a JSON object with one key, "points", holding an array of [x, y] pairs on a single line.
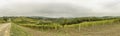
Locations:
{"points": [[66, 26]]}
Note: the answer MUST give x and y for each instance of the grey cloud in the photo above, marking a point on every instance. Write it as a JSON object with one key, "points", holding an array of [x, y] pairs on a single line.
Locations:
{"points": [[112, 6], [57, 10], [50, 10]]}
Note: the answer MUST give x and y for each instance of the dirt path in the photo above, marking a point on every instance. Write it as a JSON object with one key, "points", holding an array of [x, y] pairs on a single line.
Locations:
{"points": [[5, 29]]}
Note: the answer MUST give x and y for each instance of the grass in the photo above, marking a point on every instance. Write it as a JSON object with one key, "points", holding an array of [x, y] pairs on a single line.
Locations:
{"points": [[45, 33], [17, 31]]}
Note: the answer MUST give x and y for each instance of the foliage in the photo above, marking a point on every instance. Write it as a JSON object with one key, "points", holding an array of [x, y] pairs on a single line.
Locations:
{"points": [[95, 23], [43, 27]]}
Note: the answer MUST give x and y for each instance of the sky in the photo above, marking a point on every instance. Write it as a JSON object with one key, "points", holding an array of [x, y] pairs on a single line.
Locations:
{"points": [[60, 8]]}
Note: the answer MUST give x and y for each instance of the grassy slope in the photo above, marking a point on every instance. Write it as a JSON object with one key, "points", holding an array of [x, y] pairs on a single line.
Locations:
{"points": [[17, 31]]}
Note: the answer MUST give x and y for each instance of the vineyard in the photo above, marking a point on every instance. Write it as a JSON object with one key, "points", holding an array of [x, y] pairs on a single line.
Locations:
{"points": [[81, 26]]}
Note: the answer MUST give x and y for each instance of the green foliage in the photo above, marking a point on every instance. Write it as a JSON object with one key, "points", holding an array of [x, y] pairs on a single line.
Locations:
{"points": [[95, 23], [2, 20], [43, 27], [23, 20]]}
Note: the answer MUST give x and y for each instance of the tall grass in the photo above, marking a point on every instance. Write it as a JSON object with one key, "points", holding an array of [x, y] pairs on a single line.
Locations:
{"points": [[17, 31]]}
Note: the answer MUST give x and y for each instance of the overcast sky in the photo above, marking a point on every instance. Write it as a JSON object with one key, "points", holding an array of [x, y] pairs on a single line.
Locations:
{"points": [[60, 8]]}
